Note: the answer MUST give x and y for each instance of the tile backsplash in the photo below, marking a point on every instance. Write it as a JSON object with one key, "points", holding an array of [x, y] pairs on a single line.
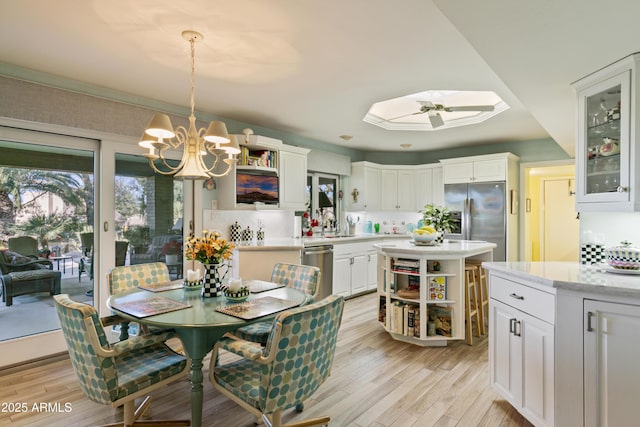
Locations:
{"points": [[387, 220], [610, 228], [275, 223]]}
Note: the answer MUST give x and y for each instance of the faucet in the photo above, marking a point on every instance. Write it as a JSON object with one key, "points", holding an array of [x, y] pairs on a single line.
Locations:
{"points": [[320, 213]]}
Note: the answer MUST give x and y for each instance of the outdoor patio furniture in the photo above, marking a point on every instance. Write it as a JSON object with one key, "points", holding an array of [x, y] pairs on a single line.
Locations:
{"points": [[24, 245], [22, 275], [154, 252]]}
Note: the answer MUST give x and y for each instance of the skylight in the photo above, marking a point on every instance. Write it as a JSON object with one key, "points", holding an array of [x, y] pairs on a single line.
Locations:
{"points": [[435, 110]]}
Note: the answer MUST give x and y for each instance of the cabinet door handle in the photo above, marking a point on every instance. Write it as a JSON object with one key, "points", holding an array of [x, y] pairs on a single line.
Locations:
{"points": [[516, 296], [517, 331], [512, 326], [589, 317], [351, 260]]}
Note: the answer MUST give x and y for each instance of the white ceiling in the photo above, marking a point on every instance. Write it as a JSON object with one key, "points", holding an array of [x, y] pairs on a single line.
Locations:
{"points": [[314, 68]]}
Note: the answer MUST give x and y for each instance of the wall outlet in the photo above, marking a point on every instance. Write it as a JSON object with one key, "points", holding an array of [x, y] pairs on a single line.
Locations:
{"points": [[214, 204]]}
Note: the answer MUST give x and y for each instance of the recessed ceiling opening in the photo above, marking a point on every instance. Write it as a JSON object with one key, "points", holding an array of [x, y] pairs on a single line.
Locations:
{"points": [[435, 110]]}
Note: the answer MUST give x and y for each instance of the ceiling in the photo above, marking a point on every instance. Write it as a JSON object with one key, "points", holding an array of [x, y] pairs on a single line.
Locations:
{"points": [[313, 68]]}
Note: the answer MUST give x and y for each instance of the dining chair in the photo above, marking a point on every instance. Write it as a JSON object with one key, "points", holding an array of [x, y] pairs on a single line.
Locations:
{"points": [[296, 360], [304, 278], [128, 277], [117, 374]]}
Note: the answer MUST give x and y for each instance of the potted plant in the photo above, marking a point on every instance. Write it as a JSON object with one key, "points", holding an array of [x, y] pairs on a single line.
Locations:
{"points": [[439, 217], [171, 250]]}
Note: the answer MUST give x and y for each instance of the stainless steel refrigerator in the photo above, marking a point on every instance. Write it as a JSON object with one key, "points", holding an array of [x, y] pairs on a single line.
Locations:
{"points": [[480, 213]]}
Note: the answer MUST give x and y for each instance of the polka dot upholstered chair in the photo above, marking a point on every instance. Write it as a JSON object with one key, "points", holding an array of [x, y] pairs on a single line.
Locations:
{"points": [[289, 369], [304, 278], [128, 277], [119, 373]]}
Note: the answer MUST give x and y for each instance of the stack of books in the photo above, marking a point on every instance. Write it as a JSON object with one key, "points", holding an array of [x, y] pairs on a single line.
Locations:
{"points": [[402, 265]]}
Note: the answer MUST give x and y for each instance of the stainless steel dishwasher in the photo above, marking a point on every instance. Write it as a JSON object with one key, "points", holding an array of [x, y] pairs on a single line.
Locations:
{"points": [[321, 257]]}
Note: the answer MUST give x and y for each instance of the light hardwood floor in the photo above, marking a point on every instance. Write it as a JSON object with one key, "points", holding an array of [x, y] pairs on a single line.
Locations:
{"points": [[376, 381]]}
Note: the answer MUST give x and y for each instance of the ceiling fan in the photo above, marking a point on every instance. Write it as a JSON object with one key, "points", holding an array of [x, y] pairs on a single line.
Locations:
{"points": [[433, 111]]}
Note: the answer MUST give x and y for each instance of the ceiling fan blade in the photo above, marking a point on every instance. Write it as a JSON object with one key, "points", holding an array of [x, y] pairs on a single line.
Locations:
{"points": [[435, 119], [405, 115], [471, 108]]}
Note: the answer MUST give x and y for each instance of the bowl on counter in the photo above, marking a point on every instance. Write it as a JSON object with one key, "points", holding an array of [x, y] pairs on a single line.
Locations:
{"points": [[424, 238], [623, 257]]}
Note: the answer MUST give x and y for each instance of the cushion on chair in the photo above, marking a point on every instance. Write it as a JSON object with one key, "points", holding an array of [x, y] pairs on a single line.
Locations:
{"points": [[140, 368], [301, 277], [131, 276], [256, 332], [304, 349]]}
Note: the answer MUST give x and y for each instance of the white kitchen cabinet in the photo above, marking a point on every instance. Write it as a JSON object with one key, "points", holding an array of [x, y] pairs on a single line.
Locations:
{"points": [[364, 187], [487, 168], [611, 353], [351, 265], [428, 186], [288, 162], [397, 189], [607, 154], [521, 347], [372, 269], [293, 177]]}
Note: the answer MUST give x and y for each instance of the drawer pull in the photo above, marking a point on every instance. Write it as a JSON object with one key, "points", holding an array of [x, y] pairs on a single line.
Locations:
{"points": [[516, 296]]}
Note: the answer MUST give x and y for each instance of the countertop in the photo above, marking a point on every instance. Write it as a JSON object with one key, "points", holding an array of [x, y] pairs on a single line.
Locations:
{"points": [[463, 248], [572, 276], [290, 243]]}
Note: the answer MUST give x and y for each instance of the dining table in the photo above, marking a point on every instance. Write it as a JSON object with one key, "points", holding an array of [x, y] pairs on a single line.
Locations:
{"points": [[198, 326]]}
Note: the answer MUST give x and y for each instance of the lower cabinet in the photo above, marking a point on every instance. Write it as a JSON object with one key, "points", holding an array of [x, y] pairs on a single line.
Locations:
{"points": [[521, 348], [354, 268], [611, 354]]}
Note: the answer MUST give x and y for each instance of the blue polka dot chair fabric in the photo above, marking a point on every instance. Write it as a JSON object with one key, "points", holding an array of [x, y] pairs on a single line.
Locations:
{"points": [[289, 369], [119, 373], [129, 277], [304, 278]]}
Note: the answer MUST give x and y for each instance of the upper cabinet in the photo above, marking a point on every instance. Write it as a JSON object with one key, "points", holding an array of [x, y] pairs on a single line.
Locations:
{"points": [[428, 187], [268, 174], [487, 168], [293, 177], [607, 154], [401, 188], [364, 187], [397, 189]]}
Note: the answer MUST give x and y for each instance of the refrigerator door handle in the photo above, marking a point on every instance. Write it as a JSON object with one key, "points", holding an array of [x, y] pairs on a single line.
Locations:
{"points": [[466, 219], [468, 201]]}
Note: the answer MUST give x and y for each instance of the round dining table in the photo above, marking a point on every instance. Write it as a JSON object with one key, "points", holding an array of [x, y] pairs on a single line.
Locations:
{"points": [[199, 326]]}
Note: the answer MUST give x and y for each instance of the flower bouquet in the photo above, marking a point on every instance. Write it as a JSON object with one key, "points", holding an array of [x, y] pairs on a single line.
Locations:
{"points": [[211, 250]]}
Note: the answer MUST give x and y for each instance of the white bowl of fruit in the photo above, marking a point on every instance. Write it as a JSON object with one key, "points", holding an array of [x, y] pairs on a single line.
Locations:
{"points": [[424, 235]]}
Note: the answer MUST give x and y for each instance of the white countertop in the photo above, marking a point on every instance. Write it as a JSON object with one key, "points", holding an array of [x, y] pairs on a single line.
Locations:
{"points": [[290, 243], [572, 276], [463, 248]]}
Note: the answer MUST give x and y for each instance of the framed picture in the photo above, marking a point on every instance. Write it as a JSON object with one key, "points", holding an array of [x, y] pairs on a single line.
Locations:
{"points": [[514, 202]]}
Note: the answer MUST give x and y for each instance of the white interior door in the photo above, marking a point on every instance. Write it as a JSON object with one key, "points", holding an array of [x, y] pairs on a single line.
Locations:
{"points": [[560, 226]]}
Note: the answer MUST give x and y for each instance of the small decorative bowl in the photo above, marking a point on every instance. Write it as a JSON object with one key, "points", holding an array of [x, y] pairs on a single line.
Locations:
{"points": [[241, 295], [192, 285], [623, 257], [424, 237]]}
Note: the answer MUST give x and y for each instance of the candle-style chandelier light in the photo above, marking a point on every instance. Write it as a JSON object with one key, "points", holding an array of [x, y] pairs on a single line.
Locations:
{"points": [[202, 148]]}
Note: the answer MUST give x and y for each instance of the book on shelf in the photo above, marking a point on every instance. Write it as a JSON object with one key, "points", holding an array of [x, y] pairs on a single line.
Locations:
{"points": [[258, 307], [382, 310], [442, 317], [438, 288]]}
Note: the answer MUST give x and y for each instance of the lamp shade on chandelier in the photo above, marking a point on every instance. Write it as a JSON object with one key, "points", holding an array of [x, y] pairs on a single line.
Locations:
{"points": [[203, 149]]}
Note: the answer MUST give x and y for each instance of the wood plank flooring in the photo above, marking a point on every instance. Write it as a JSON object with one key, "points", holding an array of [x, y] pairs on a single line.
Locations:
{"points": [[375, 382]]}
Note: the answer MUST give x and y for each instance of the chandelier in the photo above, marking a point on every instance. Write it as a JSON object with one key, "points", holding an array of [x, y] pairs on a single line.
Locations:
{"points": [[203, 148]]}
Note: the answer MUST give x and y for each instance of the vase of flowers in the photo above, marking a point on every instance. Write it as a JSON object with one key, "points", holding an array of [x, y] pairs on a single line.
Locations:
{"points": [[212, 251], [439, 217]]}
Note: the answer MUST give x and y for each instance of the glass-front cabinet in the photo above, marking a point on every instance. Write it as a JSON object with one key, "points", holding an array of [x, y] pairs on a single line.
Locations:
{"points": [[606, 153]]}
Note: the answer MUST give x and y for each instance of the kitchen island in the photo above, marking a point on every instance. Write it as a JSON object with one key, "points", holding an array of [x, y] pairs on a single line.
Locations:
{"points": [[564, 342], [421, 289]]}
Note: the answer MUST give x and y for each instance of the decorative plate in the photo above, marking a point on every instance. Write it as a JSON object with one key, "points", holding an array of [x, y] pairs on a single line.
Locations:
{"points": [[610, 269]]}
